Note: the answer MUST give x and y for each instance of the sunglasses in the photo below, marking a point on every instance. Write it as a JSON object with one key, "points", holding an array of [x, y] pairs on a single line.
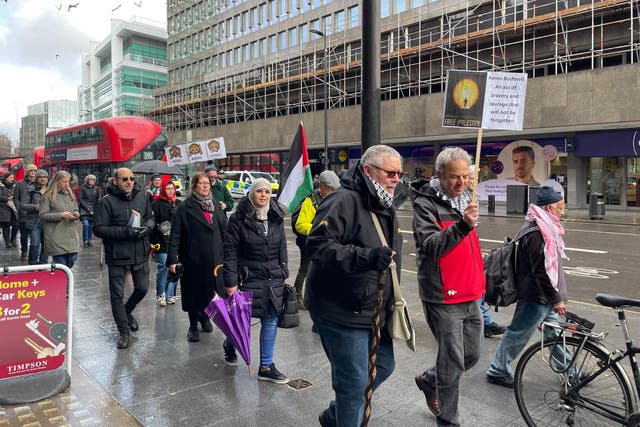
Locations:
{"points": [[390, 174], [127, 178]]}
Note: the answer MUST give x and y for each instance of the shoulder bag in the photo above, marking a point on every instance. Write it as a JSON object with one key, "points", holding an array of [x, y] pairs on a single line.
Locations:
{"points": [[399, 322]]}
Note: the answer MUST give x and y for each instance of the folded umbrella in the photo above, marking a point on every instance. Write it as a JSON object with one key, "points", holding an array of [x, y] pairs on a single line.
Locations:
{"points": [[233, 316]]}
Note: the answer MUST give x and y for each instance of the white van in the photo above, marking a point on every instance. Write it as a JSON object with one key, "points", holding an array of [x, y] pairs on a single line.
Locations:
{"points": [[239, 182]]}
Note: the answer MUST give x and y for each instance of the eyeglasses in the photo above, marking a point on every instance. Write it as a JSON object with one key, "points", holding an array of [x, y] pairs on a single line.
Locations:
{"points": [[126, 178], [390, 174]]}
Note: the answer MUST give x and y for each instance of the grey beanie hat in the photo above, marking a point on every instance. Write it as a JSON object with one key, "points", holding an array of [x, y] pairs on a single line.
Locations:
{"points": [[88, 177], [547, 196], [41, 172], [258, 184], [330, 179]]}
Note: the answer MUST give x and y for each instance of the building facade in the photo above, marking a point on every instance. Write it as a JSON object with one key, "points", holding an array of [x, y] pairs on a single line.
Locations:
{"points": [[249, 71], [5, 146], [120, 73], [40, 119]]}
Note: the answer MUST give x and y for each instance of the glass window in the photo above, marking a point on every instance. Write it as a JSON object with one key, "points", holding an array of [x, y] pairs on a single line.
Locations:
{"points": [[246, 53], [238, 55], [315, 25], [354, 16], [283, 40], [238, 29], [326, 24], [255, 22], [304, 33], [263, 47], [385, 8], [416, 3], [400, 6], [340, 23], [254, 50], [317, 3], [273, 8], [273, 43], [293, 36], [284, 9], [263, 14]]}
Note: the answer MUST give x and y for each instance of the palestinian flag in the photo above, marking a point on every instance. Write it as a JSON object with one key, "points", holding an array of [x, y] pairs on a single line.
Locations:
{"points": [[297, 182]]}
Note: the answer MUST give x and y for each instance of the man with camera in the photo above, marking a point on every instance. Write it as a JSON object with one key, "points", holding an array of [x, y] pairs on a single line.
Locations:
{"points": [[123, 219]]}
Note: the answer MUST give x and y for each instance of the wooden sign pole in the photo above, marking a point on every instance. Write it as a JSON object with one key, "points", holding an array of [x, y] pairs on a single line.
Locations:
{"points": [[477, 169]]}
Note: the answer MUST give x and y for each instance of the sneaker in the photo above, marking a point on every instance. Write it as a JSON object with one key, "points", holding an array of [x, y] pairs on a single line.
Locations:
{"points": [[85, 245], [161, 301], [193, 335], [504, 381], [493, 329], [230, 357], [272, 374], [171, 300]]}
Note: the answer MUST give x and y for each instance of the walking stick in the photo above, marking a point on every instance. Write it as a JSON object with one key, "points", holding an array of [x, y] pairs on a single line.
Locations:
{"points": [[373, 349]]}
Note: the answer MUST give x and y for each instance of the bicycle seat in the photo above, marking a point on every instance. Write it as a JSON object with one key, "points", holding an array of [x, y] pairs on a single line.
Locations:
{"points": [[609, 300]]}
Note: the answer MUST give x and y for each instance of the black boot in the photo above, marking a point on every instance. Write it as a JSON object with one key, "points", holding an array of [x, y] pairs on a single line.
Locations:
{"points": [[193, 335]]}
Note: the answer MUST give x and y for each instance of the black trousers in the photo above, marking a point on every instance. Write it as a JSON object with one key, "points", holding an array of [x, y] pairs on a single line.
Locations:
{"points": [[117, 280]]}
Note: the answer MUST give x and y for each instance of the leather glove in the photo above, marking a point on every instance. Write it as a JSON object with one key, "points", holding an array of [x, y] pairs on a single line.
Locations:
{"points": [[138, 233], [380, 258]]}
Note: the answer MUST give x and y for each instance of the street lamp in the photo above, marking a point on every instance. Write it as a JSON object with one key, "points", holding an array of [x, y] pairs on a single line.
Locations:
{"points": [[325, 158]]}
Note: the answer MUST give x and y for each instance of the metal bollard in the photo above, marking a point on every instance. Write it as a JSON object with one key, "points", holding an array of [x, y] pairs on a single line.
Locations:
{"points": [[492, 203]]}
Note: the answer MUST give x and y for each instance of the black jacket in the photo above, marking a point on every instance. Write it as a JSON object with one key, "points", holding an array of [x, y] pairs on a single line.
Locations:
{"points": [[163, 210], [197, 244], [87, 200], [341, 286], [531, 275], [259, 260], [110, 224], [29, 213]]}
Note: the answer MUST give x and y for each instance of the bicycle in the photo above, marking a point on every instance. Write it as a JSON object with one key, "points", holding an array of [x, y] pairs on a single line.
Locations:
{"points": [[576, 380]]}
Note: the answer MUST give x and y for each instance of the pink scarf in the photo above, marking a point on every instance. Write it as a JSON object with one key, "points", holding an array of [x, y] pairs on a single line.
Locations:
{"points": [[552, 232]]}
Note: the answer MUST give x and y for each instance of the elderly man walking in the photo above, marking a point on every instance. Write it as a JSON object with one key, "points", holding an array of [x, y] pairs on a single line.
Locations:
{"points": [[450, 278], [126, 245], [346, 255], [542, 287]]}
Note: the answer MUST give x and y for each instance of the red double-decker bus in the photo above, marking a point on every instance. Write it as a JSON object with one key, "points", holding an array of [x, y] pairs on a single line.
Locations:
{"points": [[101, 147]]}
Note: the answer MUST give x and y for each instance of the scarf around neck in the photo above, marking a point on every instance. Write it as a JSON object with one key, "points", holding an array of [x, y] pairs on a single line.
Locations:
{"points": [[460, 203], [205, 203], [552, 232], [261, 213], [383, 195]]}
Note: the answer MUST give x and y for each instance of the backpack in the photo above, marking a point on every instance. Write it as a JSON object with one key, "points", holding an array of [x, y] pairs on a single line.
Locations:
{"points": [[296, 212], [500, 267]]}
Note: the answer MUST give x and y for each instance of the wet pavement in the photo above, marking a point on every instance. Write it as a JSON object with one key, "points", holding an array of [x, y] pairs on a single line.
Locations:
{"points": [[162, 380]]}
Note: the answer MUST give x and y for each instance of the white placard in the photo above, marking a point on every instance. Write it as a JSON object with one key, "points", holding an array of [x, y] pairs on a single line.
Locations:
{"points": [[216, 149], [504, 101], [176, 155]]}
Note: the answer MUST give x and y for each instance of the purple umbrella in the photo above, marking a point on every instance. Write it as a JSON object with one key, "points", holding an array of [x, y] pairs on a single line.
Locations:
{"points": [[233, 316]]}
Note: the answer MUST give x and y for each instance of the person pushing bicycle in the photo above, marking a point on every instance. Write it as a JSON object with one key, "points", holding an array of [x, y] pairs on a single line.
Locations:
{"points": [[541, 282]]}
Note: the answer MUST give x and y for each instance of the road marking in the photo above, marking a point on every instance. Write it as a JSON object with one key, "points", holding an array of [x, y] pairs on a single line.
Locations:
{"points": [[589, 251], [615, 233]]}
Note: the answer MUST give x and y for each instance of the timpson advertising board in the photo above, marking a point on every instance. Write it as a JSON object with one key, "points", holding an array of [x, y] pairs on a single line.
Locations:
{"points": [[32, 322]]}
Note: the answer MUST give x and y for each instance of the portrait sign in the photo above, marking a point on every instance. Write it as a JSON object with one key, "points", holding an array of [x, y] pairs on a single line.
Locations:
{"points": [[487, 100], [196, 151]]}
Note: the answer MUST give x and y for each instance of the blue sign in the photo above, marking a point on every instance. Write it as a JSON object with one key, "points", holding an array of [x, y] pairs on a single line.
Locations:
{"points": [[58, 155]]}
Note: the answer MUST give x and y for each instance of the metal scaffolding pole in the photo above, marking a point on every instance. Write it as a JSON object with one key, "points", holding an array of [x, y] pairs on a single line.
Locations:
{"points": [[370, 130]]}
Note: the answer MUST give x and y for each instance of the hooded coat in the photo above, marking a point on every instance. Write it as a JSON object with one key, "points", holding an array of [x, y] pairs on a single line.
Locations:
{"points": [[450, 269], [110, 220], [197, 245], [341, 284], [255, 262], [60, 234]]}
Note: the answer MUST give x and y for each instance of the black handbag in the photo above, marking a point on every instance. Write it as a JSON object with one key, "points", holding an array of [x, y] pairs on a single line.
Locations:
{"points": [[289, 316]]}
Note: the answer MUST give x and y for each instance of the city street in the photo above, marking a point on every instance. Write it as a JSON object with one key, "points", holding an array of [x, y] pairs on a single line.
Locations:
{"points": [[162, 380]]}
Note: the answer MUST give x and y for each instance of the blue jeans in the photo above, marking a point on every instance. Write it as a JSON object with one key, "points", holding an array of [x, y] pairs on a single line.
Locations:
{"points": [[37, 254], [526, 318], [486, 317], [162, 287], [348, 352], [268, 331], [87, 229], [66, 259]]}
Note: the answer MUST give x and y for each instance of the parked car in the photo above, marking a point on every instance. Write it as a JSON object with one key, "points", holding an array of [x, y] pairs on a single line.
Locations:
{"points": [[239, 182]]}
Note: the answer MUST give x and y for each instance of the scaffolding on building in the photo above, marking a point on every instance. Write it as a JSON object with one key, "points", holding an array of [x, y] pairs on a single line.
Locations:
{"points": [[537, 37]]}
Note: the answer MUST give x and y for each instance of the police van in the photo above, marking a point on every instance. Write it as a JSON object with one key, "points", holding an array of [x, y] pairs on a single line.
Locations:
{"points": [[239, 182]]}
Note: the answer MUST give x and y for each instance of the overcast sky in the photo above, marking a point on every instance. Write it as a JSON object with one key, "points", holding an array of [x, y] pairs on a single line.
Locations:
{"points": [[41, 42]]}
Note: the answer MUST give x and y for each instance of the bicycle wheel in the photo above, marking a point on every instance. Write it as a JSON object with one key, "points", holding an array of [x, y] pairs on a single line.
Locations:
{"points": [[545, 396]]}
